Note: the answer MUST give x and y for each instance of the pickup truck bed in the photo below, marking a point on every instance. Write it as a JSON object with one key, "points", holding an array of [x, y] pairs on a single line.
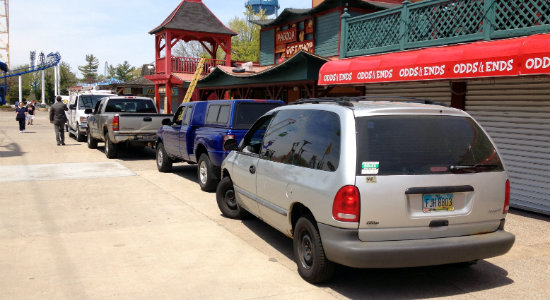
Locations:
{"points": [[123, 119]]}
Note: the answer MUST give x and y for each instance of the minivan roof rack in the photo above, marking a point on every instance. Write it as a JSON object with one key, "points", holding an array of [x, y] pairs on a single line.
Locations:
{"points": [[348, 101]]}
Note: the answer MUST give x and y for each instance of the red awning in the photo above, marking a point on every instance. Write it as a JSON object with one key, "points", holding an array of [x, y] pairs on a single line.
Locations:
{"points": [[511, 57]]}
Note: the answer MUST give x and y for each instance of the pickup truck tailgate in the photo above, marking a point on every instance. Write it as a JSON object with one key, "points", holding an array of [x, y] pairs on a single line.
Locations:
{"points": [[141, 123]]}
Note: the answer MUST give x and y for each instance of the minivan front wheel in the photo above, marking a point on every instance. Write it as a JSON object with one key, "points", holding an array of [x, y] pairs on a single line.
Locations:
{"points": [[309, 254], [225, 197]]}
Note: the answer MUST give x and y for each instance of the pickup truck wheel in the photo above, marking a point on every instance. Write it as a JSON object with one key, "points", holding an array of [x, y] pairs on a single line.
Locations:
{"points": [[110, 147], [164, 163], [206, 174], [225, 196], [92, 143], [79, 136], [309, 254]]}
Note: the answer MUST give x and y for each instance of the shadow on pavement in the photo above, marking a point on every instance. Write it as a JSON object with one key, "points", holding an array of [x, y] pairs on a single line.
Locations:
{"points": [[404, 283], [10, 150]]}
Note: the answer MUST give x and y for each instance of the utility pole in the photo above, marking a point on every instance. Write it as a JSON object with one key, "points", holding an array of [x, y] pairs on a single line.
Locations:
{"points": [[5, 32]]}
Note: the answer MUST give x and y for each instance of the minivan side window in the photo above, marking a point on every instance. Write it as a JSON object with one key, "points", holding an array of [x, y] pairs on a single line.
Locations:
{"points": [[252, 141], [304, 138]]}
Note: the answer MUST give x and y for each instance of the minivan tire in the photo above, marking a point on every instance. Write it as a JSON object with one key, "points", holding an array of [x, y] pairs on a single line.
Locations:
{"points": [[205, 172], [313, 265], [164, 163], [225, 196], [92, 143], [110, 147]]}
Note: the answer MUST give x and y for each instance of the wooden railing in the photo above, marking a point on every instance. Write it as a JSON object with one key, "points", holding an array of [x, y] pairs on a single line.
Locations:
{"points": [[441, 22], [187, 65]]}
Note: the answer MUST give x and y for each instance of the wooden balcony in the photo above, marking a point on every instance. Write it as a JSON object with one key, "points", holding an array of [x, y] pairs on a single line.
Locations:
{"points": [[187, 65]]}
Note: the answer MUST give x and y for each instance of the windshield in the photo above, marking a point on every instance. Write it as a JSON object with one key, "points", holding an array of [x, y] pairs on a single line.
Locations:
{"points": [[248, 112], [88, 101], [130, 106], [404, 145]]}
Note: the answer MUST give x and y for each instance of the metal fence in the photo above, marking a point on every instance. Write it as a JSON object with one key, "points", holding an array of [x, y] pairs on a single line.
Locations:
{"points": [[441, 22]]}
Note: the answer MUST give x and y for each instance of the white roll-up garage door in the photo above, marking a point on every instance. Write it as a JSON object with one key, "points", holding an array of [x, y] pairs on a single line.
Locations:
{"points": [[516, 113], [437, 91]]}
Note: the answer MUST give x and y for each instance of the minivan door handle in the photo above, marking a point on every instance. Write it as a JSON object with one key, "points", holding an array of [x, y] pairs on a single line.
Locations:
{"points": [[252, 169]]}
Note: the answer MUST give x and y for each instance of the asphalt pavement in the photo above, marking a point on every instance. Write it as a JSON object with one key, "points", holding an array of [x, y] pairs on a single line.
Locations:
{"points": [[76, 225]]}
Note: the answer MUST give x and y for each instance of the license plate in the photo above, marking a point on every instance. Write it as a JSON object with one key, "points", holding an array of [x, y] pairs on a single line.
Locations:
{"points": [[437, 202]]}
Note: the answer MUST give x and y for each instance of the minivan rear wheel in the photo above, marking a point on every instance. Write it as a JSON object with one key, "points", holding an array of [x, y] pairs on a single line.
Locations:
{"points": [[309, 254]]}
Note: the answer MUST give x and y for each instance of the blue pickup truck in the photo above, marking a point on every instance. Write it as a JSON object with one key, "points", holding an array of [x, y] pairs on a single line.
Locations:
{"points": [[198, 130]]}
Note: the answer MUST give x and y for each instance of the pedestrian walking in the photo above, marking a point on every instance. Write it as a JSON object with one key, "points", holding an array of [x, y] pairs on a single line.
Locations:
{"points": [[58, 119], [20, 116], [31, 112]]}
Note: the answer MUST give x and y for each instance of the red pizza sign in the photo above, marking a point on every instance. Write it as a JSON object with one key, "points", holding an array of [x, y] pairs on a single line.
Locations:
{"points": [[286, 36]]}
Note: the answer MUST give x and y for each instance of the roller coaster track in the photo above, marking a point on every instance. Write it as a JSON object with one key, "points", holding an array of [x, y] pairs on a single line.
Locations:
{"points": [[49, 61]]}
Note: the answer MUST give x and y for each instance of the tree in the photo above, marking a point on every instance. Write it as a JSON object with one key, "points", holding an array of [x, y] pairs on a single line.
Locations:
{"points": [[124, 71], [246, 45], [66, 79], [89, 70]]}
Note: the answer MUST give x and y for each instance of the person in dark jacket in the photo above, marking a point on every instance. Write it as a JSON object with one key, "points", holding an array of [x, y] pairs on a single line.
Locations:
{"points": [[20, 116], [58, 119]]}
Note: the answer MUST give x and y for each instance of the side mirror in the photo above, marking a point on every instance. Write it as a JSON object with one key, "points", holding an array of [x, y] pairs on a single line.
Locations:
{"points": [[166, 122], [72, 106], [231, 144], [88, 111]]}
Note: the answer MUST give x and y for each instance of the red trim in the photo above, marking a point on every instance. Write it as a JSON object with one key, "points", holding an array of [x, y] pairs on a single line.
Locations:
{"points": [[510, 57]]}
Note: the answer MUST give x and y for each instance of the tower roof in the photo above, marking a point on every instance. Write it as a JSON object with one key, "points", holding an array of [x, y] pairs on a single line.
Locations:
{"points": [[193, 15]]}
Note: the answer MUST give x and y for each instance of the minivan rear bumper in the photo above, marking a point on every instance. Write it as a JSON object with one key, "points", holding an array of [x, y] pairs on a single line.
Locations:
{"points": [[343, 246]]}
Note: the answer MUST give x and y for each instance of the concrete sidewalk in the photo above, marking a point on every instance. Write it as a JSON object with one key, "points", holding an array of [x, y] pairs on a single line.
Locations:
{"points": [[120, 229]]}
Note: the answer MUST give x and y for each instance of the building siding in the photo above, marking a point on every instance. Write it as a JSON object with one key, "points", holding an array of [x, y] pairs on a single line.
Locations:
{"points": [[326, 34], [267, 47]]}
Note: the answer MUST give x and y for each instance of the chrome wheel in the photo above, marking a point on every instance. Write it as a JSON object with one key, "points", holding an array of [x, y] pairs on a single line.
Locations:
{"points": [[203, 172], [160, 158]]}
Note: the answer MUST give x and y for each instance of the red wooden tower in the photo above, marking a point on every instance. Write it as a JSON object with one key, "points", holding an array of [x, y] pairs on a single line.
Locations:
{"points": [[190, 21]]}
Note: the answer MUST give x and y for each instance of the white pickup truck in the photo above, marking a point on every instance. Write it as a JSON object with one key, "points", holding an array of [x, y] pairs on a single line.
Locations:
{"points": [[123, 119], [76, 116]]}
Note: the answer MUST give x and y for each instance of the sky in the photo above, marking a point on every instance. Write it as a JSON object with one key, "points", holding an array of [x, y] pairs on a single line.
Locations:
{"points": [[112, 30]]}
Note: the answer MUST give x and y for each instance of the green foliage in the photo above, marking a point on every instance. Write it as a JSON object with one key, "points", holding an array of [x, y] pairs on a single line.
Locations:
{"points": [[246, 45], [89, 70], [124, 72]]}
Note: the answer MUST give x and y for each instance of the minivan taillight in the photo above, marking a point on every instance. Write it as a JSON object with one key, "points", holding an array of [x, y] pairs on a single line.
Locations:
{"points": [[346, 204], [115, 123], [506, 197]]}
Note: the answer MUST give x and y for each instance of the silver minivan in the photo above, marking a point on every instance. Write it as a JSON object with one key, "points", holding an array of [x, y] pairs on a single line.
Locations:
{"points": [[371, 184]]}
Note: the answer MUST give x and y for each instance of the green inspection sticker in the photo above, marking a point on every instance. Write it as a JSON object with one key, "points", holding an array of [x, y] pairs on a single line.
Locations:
{"points": [[370, 167]]}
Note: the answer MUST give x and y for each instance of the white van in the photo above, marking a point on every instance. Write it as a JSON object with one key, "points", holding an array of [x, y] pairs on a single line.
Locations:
{"points": [[77, 104]]}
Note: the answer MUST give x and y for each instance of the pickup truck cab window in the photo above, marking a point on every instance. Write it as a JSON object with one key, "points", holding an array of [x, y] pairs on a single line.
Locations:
{"points": [[178, 117], [187, 118], [218, 114]]}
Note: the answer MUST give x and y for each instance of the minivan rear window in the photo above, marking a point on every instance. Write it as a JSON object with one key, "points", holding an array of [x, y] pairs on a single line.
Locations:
{"points": [[408, 145], [247, 113]]}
